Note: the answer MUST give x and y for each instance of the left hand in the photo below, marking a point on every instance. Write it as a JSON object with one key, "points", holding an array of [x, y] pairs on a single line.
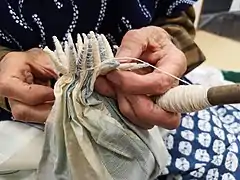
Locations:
{"points": [[153, 45]]}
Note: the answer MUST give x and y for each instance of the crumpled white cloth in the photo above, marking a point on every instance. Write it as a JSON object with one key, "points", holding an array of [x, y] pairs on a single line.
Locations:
{"points": [[208, 76]]}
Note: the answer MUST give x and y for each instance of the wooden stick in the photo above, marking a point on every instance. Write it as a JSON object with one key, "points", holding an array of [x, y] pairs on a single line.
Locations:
{"points": [[226, 94]]}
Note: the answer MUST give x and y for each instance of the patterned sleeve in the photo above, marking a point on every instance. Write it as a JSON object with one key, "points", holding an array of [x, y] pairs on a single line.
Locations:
{"points": [[181, 28]]}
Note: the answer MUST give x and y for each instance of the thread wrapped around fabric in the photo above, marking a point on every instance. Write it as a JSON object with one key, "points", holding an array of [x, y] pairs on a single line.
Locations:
{"points": [[86, 137]]}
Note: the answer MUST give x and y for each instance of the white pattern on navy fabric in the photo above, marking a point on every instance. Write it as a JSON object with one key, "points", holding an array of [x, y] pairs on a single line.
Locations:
{"points": [[231, 138], [198, 173], [18, 20], [41, 28], [182, 164], [204, 115], [174, 131], [185, 148], [221, 112], [233, 147], [229, 107], [202, 155], [199, 165], [228, 119], [177, 3], [235, 127], [126, 22], [188, 135], [169, 141], [217, 160], [204, 125], [238, 137], [204, 139], [212, 174], [169, 160], [21, 15], [231, 162], [228, 176], [237, 114], [219, 133], [217, 121], [165, 171], [228, 128], [74, 20], [218, 146], [4, 37], [188, 122], [213, 110], [111, 39], [101, 14], [58, 4], [12, 39], [144, 10], [156, 3], [119, 28]]}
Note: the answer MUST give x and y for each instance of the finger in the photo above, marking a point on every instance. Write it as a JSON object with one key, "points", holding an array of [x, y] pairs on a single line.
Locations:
{"points": [[133, 44], [31, 94], [103, 87], [149, 113], [173, 62], [127, 111], [40, 59], [132, 83], [42, 72], [26, 113]]}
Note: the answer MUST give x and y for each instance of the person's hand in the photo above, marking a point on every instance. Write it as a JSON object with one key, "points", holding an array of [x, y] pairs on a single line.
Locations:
{"points": [[153, 45], [24, 80]]}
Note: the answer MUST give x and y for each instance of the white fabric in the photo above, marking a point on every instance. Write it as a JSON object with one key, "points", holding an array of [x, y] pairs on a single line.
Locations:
{"points": [[20, 150]]}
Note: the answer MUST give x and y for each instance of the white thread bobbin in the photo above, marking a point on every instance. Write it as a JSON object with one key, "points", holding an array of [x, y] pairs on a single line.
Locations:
{"points": [[183, 99]]}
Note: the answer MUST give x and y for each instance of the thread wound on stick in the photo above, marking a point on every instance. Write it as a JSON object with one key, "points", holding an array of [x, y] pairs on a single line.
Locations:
{"points": [[183, 99]]}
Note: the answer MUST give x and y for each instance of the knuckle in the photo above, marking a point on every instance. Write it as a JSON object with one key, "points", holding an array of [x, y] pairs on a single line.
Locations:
{"points": [[132, 34], [164, 84]]}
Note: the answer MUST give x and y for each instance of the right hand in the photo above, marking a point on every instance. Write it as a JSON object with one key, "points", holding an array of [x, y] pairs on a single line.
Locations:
{"points": [[24, 80]]}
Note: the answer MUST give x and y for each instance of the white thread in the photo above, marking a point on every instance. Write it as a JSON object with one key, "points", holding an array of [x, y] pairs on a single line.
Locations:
{"points": [[183, 99], [162, 71]]}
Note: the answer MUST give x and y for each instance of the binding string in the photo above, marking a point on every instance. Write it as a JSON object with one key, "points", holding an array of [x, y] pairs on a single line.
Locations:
{"points": [[158, 69]]}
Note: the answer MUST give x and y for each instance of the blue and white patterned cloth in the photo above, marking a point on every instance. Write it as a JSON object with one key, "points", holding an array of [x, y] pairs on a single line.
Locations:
{"points": [[27, 24], [206, 145]]}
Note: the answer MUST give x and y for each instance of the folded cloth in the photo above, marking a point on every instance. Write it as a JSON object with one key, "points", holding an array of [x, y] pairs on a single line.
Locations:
{"points": [[86, 135]]}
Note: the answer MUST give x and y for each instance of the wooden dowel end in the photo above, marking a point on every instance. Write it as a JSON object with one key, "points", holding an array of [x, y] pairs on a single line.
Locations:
{"points": [[226, 94]]}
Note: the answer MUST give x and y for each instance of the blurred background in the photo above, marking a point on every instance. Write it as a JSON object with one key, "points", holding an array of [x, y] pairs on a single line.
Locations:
{"points": [[218, 35]]}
